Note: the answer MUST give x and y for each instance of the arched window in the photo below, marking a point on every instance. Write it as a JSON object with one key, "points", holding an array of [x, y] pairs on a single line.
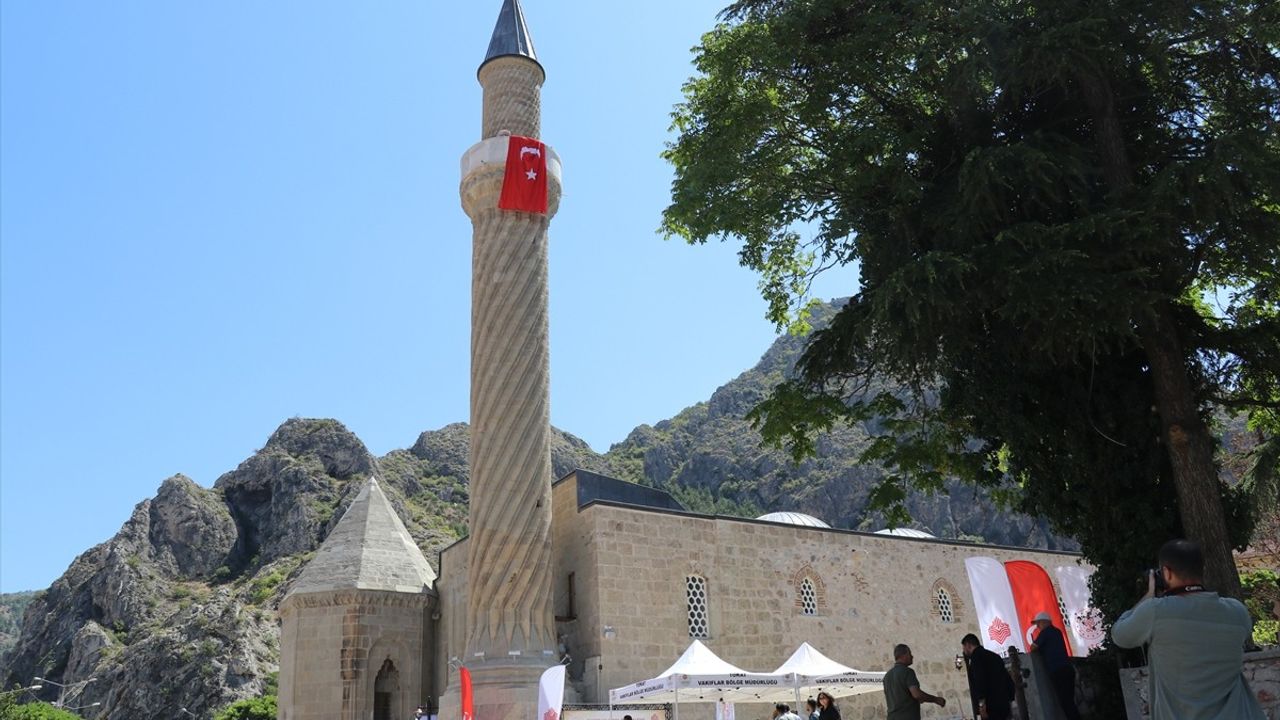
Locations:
{"points": [[808, 598], [947, 605], [945, 609], [811, 592], [696, 593]]}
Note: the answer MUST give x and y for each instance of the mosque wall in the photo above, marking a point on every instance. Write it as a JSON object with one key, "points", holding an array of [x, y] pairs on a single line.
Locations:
{"points": [[767, 587], [864, 594]]}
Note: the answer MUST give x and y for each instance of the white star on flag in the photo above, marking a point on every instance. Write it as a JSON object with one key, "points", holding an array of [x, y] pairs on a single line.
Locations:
{"points": [[531, 174]]}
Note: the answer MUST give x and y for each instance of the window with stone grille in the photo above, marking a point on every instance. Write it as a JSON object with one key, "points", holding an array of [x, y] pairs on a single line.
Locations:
{"points": [[1062, 609], [808, 598], [945, 609], [696, 592]]}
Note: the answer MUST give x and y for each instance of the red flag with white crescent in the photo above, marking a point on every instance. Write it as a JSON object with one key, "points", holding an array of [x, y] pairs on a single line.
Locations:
{"points": [[464, 681], [524, 186], [1033, 593]]}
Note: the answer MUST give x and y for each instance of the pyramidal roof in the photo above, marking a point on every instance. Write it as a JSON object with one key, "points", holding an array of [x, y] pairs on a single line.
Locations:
{"points": [[369, 549], [510, 34]]}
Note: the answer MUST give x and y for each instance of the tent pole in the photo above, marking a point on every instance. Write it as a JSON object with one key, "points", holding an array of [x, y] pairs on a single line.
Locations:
{"points": [[677, 717]]}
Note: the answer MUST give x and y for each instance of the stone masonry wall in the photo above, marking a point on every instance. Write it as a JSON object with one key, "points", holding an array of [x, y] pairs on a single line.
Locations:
{"points": [[1261, 670], [337, 642], [876, 591]]}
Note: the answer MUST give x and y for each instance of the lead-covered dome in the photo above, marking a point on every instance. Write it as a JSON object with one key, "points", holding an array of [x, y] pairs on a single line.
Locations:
{"points": [[793, 518]]}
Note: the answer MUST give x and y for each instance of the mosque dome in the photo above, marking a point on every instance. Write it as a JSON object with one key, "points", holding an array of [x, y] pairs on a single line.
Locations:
{"points": [[793, 518], [905, 532]]}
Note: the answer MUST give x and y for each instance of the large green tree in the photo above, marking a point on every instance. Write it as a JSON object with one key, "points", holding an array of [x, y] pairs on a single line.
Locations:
{"points": [[1066, 218]]}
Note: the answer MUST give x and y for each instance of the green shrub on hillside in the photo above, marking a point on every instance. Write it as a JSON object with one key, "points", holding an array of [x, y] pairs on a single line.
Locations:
{"points": [[33, 711], [259, 708]]}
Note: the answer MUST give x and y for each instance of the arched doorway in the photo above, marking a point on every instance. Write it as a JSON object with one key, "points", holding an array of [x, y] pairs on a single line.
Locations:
{"points": [[386, 692]]}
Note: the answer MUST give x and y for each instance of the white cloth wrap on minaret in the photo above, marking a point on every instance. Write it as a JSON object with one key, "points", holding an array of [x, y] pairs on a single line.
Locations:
{"points": [[510, 624]]}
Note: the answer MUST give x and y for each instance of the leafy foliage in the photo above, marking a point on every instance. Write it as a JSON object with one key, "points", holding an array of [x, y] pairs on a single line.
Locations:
{"points": [[1262, 597], [1066, 224], [12, 606], [11, 710], [259, 708]]}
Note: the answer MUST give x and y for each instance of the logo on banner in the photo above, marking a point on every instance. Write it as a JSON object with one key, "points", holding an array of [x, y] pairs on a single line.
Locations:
{"points": [[550, 714], [999, 630], [1089, 625]]}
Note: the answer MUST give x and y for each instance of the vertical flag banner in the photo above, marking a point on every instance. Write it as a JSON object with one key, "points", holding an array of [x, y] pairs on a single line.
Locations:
{"points": [[1033, 593], [551, 693], [464, 682], [524, 186], [1084, 620], [993, 602], [724, 710]]}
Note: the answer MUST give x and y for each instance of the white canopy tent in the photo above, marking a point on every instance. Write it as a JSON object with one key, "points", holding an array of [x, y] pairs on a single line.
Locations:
{"points": [[809, 671], [701, 676]]}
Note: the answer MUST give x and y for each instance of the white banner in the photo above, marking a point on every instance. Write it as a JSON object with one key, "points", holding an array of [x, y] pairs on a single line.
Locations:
{"points": [[724, 711], [1083, 619], [551, 693], [993, 603]]}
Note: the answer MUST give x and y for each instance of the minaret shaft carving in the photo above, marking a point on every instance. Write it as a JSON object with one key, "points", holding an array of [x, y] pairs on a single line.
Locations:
{"points": [[510, 622]]}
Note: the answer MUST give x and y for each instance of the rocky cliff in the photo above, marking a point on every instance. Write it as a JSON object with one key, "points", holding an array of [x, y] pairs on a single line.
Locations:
{"points": [[711, 458]]}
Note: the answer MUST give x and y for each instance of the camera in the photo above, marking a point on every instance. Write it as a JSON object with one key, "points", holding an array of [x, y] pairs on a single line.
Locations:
{"points": [[1161, 586]]}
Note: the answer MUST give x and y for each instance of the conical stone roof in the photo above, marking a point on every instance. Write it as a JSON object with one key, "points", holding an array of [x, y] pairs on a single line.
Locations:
{"points": [[369, 549], [510, 34]]}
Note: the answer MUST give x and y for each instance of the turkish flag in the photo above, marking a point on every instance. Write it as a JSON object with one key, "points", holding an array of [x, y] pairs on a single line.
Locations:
{"points": [[524, 186], [464, 680], [1033, 593]]}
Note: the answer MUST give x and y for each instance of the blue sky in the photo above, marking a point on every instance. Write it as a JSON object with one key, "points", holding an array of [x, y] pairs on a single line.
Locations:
{"points": [[217, 216]]}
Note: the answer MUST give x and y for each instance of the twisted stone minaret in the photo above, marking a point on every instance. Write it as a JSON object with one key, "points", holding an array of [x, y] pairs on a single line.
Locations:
{"points": [[510, 625]]}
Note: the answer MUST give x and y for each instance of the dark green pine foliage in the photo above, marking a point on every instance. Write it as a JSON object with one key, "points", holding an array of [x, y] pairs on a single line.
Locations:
{"points": [[1066, 218]]}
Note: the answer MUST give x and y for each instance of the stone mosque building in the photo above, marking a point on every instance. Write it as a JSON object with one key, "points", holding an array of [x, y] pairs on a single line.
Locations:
{"points": [[612, 578]]}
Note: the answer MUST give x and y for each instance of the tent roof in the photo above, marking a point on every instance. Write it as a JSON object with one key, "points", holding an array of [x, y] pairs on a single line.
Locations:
{"points": [[807, 661], [699, 660], [701, 676]]}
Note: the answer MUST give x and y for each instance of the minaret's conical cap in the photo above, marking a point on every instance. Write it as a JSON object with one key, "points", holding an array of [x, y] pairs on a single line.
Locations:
{"points": [[511, 35]]}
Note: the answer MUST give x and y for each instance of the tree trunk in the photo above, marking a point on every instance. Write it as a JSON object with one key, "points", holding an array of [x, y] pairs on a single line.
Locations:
{"points": [[1186, 437]]}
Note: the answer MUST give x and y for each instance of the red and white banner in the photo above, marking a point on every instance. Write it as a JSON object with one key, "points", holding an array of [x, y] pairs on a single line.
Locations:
{"points": [[551, 693], [524, 185], [464, 683], [1033, 594], [1083, 619], [993, 602]]}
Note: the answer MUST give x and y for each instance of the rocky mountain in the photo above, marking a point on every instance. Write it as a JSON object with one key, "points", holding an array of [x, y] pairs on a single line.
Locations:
{"points": [[12, 607], [711, 458], [178, 609]]}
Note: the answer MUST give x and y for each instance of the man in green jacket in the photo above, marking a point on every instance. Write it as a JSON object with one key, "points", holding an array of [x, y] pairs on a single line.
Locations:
{"points": [[1196, 642], [902, 690]]}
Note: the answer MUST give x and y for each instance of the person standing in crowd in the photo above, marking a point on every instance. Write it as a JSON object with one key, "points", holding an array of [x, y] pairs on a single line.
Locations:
{"points": [[902, 690], [827, 709], [1196, 642], [1052, 648], [989, 683], [811, 706], [782, 711]]}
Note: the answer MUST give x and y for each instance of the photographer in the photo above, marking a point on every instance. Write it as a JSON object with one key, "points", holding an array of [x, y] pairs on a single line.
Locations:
{"points": [[1196, 642]]}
